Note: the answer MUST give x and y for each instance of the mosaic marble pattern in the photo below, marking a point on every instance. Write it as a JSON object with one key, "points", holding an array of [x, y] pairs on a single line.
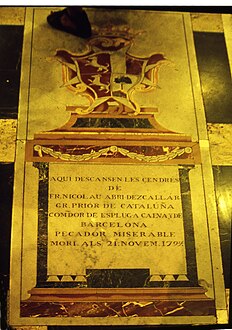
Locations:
{"points": [[219, 138]]}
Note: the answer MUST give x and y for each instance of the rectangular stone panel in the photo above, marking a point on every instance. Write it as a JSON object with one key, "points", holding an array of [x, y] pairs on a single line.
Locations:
{"points": [[123, 211], [114, 207]]}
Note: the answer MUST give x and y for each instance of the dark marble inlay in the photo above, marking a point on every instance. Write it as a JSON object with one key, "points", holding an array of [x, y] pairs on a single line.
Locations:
{"points": [[118, 309], [223, 189], [9, 86], [6, 195], [113, 123], [106, 278], [215, 76], [11, 38], [188, 233], [117, 278], [42, 222], [188, 224]]}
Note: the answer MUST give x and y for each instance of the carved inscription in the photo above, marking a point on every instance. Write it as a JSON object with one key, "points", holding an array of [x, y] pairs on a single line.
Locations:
{"points": [[115, 216]]}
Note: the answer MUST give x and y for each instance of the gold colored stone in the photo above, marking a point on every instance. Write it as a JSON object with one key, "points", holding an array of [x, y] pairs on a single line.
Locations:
{"points": [[227, 25], [12, 15], [7, 139], [220, 136], [35, 327], [202, 22]]}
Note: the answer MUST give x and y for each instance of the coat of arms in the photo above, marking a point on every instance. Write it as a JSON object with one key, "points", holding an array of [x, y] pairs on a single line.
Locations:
{"points": [[116, 89], [108, 76]]}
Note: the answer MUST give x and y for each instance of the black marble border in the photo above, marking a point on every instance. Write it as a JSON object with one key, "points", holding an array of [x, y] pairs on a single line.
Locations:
{"points": [[215, 76], [11, 39], [6, 196], [188, 224], [42, 248]]}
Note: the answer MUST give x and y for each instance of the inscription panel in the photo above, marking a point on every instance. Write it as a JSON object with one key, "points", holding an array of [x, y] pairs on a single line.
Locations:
{"points": [[98, 215]]}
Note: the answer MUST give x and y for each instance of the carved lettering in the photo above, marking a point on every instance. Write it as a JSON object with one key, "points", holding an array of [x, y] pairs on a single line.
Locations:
{"points": [[98, 216]]}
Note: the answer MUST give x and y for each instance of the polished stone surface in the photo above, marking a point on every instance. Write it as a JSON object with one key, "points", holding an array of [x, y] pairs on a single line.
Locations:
{"points": [[220, 136], [113, 78], [11, 37], [12, 15], [116, 309], [202, 22], [213, 66], [8, 139], [215, 76], [223, 189], [6, 194]]}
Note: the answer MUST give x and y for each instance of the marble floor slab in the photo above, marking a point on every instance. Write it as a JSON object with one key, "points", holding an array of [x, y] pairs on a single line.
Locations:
{"points": [[189, 90]]}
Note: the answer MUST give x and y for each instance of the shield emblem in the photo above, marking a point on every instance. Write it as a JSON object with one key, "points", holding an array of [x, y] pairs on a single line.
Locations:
{"points": [[109, 79]]}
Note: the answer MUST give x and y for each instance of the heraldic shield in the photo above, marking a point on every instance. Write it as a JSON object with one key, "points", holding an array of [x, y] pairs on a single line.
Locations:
{"points": [[108, 76], [114, 92]]}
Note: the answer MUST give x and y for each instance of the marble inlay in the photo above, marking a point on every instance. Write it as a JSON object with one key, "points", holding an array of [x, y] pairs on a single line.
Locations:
{"points": [[207, 22], [118, 309], [104, 123], [220, 136], [7, 139], [215, 76], [12, 15], [223, 190]]}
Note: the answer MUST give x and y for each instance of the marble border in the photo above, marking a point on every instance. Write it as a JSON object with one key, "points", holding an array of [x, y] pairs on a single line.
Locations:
{"points": [[208, 183], [112, 309], [43, 231], [227, 24]]}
